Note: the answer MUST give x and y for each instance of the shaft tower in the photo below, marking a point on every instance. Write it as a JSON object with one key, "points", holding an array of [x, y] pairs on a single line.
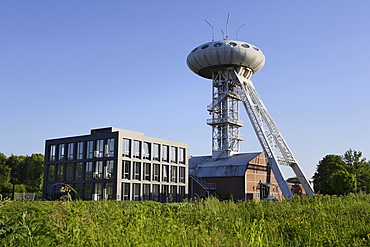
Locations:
{"points": [[230, 64]]}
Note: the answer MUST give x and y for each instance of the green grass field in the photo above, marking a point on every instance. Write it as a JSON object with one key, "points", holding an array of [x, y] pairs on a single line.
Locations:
{"points": [[314, 221]]}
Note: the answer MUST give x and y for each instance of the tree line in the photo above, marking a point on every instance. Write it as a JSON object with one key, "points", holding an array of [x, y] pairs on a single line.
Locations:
{"points": [[342, 174], [24, 172], [335, 174]]}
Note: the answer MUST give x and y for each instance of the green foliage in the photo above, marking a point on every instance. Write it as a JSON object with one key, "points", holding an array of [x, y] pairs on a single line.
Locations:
{"points": [[27, 172], [342, 174], [327, 166], [302, 221], [343, 182]]}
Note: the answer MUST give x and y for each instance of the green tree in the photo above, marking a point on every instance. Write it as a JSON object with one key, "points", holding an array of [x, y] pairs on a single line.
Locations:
{"points": [[5, 174], [343, 182], [358, 166], [325, 169], [27, 171], [32, 172]]}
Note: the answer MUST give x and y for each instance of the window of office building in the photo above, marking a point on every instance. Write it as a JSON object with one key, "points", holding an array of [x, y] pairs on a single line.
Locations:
{"points": [[182, 174], [126, 191], [51, 172], [181, 193], [60, 172], [61, 152], [126, 168], [90, 149], [146, 151], [99, 148], [137, 149], [165, 153], [78, 189], [78, 171], [136, 192], [156, 152], [110, 148], [174, 174], [174, 154], [146, 191], [108, 191], [69, 171], [52, 153], [146, 171], [80, 150], [165, 193], [108, 169], [156, 174], [165, 173], [98, 192], [88, 191], [126, 147], [88, 170], [182, 155], [70, 151], [98, 172], [137, 170], [155, 193], [173, 193]]}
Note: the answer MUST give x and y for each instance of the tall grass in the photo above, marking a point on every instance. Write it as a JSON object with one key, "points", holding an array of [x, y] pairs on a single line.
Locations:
{"points": [[303, 221]]}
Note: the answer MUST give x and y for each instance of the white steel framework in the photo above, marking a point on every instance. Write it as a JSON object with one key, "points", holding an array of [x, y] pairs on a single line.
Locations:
{"points": [[236, 85], [225, 116]]}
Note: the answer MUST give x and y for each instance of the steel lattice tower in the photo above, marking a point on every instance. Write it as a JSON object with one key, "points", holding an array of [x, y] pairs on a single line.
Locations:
{"points": [[230, 64]]}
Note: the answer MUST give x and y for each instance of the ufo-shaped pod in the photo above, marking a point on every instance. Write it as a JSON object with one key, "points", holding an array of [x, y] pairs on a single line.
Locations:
{"points": [[224, 53]]}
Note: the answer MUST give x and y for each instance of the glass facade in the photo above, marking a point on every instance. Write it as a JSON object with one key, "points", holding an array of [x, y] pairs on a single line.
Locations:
{"points": [[146, 170]]}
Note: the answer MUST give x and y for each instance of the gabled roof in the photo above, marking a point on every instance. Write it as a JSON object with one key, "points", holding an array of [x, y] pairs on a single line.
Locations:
{"points": [[233, 166]]}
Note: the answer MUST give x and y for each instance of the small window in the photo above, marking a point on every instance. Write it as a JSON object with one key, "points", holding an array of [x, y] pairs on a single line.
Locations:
{"points": [[156, 172], [52, 153], [137, 170], [195, 50], [70, 153], [109, 152], [137, 149], [232, 44], [90, 149], [256, 48], [108, 169], [245, 45], [88, 170], [217, 45], [126, 169], [61, 152], [126, 150], [204, 47], [80, 150]]}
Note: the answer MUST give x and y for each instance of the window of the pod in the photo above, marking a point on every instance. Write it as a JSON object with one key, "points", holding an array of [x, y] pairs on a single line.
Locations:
{"points": [[256, 48], [195, 49], [232, 44], [204, 47], [217, 44], [245, 45]]}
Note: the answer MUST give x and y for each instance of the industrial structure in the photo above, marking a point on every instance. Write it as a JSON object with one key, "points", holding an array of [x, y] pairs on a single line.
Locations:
{"points": [[116, 164], [230, 65]]}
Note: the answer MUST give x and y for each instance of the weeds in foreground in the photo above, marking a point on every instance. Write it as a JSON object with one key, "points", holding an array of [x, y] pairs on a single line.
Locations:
{"points": [[303, 221]]}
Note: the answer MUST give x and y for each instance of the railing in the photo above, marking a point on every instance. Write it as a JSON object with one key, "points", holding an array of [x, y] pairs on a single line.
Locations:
{"points": [[225, 120], [203, 183]]}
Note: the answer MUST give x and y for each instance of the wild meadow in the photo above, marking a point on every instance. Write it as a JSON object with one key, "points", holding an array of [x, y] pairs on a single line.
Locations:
{"points": [[302, 221]]}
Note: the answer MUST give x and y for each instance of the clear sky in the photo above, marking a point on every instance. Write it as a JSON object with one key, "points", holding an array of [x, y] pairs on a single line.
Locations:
{"points": [[69, 66]]}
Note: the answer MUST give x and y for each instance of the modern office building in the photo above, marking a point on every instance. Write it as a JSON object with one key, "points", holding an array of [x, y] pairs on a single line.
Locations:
{"points": [[116, 164]]}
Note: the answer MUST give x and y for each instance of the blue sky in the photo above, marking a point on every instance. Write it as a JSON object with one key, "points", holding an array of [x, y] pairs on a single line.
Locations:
{"points": [[70, 66]]}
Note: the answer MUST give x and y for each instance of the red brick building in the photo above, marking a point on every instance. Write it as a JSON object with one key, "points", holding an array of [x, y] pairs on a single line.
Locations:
{"points": [[243, 176]]}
